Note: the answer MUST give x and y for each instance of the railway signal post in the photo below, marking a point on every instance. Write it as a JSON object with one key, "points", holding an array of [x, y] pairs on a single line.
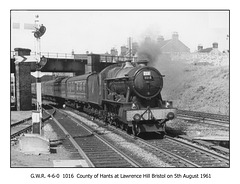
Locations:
{"points": [[40, 30], [35, 143]]}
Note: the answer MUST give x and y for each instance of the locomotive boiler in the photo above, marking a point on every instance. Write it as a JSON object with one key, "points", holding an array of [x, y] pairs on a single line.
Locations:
{"points": [[140, 82]]}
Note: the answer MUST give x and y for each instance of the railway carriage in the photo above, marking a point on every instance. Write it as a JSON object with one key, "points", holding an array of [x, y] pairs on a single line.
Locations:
{"points": [[76, 91], [51, 90], [64, 88]]}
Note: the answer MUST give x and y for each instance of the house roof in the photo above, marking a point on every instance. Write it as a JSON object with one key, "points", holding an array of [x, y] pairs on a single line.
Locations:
{"points": [[207, 50], [174, 44], [163, 43]]}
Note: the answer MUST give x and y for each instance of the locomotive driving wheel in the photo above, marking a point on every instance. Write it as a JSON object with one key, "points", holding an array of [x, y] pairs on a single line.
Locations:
{"points": [[135, 131], [128, 129], [122, 126]]}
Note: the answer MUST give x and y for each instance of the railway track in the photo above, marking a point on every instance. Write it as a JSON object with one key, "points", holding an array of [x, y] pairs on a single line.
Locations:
{"points": [[21, 127], [197, 156], [25, 126], [177, 153], [182, 154], [216, 119], [96, 150]]}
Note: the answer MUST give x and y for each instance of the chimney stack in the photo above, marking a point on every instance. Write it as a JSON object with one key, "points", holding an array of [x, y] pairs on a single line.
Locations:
{"points": [[215, 45], [160, 39], [200, 47], [175, 36]]}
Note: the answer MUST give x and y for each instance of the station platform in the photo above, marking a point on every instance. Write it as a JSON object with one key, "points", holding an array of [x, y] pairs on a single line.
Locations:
{"points": [[70, 163]]}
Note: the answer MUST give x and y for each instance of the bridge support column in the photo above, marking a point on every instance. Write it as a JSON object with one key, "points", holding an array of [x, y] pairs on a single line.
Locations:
{"points": [[23, 84]]}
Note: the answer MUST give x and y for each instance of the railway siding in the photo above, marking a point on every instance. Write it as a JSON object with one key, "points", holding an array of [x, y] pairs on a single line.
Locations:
{"points": [[204, 116]]}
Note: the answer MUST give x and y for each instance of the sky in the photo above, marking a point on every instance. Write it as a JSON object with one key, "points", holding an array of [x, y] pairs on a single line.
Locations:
{"points": [[99, 31]]}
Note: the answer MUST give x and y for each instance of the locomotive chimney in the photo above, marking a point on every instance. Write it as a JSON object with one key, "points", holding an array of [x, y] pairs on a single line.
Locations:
{"points": [[142, 61]]}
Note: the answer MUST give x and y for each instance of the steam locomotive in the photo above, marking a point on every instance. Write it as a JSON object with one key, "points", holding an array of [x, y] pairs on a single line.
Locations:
{"points": [[127, 95]]}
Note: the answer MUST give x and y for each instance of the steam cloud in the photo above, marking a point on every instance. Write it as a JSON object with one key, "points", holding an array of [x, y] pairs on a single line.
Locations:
{"points": [[149, 50]]}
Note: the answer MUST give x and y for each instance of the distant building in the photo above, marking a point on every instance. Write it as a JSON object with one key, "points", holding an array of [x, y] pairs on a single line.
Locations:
{"points": [[200, 47], [210, 55], [135, 47], [209, 50], [172, 46], [124, 51], [114, 52], [148, 39]]}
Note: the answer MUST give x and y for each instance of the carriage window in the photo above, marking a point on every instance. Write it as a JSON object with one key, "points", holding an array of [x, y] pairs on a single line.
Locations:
{"points": [[81, 86], [70, 86], [84, 86], [76, 86]]}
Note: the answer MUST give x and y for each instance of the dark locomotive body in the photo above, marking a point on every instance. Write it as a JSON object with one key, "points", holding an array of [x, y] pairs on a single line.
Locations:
{"points": [[124, 95]]}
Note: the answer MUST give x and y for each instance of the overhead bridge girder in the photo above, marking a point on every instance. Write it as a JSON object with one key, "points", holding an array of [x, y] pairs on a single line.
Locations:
{"points": [[58, 65], [64, 65]]}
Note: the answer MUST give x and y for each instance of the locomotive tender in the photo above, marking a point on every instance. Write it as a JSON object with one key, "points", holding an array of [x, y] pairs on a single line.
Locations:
{"points": [[127, 95]]}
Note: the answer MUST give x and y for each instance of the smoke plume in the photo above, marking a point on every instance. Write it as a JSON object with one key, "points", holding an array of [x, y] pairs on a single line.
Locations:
{"points": [[149, 50], [172, 70]]}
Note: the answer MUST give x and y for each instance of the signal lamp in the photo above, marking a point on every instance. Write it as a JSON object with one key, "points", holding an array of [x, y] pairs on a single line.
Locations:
{"points": [[42, 62], [39, 31]]}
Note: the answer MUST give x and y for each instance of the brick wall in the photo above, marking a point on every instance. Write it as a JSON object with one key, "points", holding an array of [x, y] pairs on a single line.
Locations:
{"points": [[23, 86]]}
